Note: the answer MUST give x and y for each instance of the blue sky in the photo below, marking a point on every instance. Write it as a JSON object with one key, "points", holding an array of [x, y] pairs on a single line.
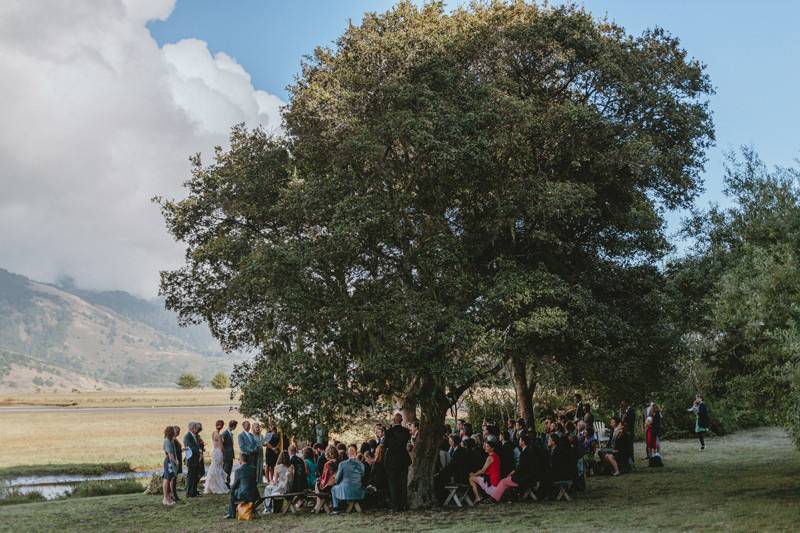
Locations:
{"points": [[751, 50]]}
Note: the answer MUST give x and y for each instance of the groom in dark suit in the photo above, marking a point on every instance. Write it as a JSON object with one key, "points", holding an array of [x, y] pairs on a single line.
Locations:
{"points": [[227, 450], [192, 448]]}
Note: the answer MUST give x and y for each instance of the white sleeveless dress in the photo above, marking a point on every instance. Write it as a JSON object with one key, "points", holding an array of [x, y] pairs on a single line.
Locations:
{"points": [[215, 475]]}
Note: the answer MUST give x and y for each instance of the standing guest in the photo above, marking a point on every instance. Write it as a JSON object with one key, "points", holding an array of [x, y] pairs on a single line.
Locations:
{"points": [[271, 451], [244, 488], [588, 418], [511, 427], [281, 481], [650, 437], [380, 430], [227, 450], [655, 412], [349, 480], [320, 434], [201, 445], [397, 462], [170, 462], [579, 409], [247, 443], [414, 431], [179, 457], [192, 447], [701, 423], [258, 453], [629, 419], [328, 477], [311, 468], [490, 469], [216, 480]]}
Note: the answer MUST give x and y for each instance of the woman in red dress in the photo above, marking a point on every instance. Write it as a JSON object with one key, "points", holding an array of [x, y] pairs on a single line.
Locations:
{"points": [[487, 477]]}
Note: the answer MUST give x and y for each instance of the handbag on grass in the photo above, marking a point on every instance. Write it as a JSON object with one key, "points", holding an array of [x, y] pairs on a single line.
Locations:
{"points": [[244, 511]]}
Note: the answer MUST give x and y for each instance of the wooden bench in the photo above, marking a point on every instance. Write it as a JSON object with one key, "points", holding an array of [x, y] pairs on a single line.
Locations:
{"points": [[352, 505], [288, 501], [563, 487], [530, 492], [458, 494]]}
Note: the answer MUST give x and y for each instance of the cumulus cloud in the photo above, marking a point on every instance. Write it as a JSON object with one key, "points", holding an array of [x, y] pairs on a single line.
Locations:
{"points": [[97, 119]]}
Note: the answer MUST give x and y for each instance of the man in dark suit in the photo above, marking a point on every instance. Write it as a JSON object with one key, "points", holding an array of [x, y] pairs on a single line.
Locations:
{"points": [[192, 447], [299, 480], [629, 420], [397, 462], [579, 412], [227, 450], [179, 458], [244, 488]]}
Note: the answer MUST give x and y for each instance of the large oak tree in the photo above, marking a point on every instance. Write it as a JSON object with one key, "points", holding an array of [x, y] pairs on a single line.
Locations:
{"points": [[452, 190]]}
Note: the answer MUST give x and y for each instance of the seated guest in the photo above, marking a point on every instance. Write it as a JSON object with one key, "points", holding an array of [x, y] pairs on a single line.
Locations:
{"points": [[311, 468], [562, 459], [328, 477], [458, 467], [506, 454], [607, 454], [281, 480], [244, 488], [300, 473], [490, 469], [349, 479], [623, 448], [522, 476], [377, 482], [321, 459], [475, 455]]}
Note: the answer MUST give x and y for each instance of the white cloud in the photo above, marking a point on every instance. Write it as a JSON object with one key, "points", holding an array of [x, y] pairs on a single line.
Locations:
{"points": [[97, 119]]}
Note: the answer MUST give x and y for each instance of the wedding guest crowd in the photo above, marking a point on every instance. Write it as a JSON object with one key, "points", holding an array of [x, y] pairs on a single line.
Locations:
{"points": [[492, 463]]}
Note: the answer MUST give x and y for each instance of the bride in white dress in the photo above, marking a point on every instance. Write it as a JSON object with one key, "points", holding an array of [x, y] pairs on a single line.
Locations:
{"points": [[215, 476]]}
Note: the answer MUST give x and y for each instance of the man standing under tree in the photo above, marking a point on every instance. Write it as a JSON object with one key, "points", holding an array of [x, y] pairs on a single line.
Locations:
{"points": [[192, 447], [397, 462], [227, 450]]}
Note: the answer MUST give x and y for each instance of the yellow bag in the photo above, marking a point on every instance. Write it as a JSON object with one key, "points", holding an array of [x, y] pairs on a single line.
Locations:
{"points": [[244, 511]]}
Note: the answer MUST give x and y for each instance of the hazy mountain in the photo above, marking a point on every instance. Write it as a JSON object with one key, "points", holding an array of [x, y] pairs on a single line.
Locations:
{"points": [[64, 337]]}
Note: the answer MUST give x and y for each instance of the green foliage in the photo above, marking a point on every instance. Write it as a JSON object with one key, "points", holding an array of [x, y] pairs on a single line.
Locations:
{"points": [[188, 381], [741, 286], [452, 188], [220, 381]]}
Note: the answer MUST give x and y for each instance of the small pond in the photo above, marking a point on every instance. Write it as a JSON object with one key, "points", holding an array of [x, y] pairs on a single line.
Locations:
{"points": [[55, 486]]}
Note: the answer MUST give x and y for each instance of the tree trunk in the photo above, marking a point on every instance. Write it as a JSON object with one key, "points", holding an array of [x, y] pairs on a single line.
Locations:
{"points": [[433, 410], [524, 390], [408, 408]]}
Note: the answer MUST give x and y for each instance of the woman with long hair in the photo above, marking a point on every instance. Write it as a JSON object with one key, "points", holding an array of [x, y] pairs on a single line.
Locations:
{"points": [[281, 480], [170, 467], [488, 476], [215, 477], [328, 477]]}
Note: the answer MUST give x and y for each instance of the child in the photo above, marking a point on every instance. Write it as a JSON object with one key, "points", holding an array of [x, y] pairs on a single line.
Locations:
{"points": [[650, 437]]}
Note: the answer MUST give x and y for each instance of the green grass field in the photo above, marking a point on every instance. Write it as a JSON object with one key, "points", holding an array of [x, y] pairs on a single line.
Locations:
{"points": [[749, 481]]}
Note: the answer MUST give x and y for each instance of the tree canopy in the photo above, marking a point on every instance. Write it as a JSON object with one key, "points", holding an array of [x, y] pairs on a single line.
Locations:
{"points": [[453, 189]]}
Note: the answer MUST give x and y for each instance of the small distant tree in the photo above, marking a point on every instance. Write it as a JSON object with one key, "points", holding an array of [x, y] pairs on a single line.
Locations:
{"points": [[220, 381], [188, 381]]}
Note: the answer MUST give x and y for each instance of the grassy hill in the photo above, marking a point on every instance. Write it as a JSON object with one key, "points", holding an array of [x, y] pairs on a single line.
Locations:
{"points": [[60, 337]]}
